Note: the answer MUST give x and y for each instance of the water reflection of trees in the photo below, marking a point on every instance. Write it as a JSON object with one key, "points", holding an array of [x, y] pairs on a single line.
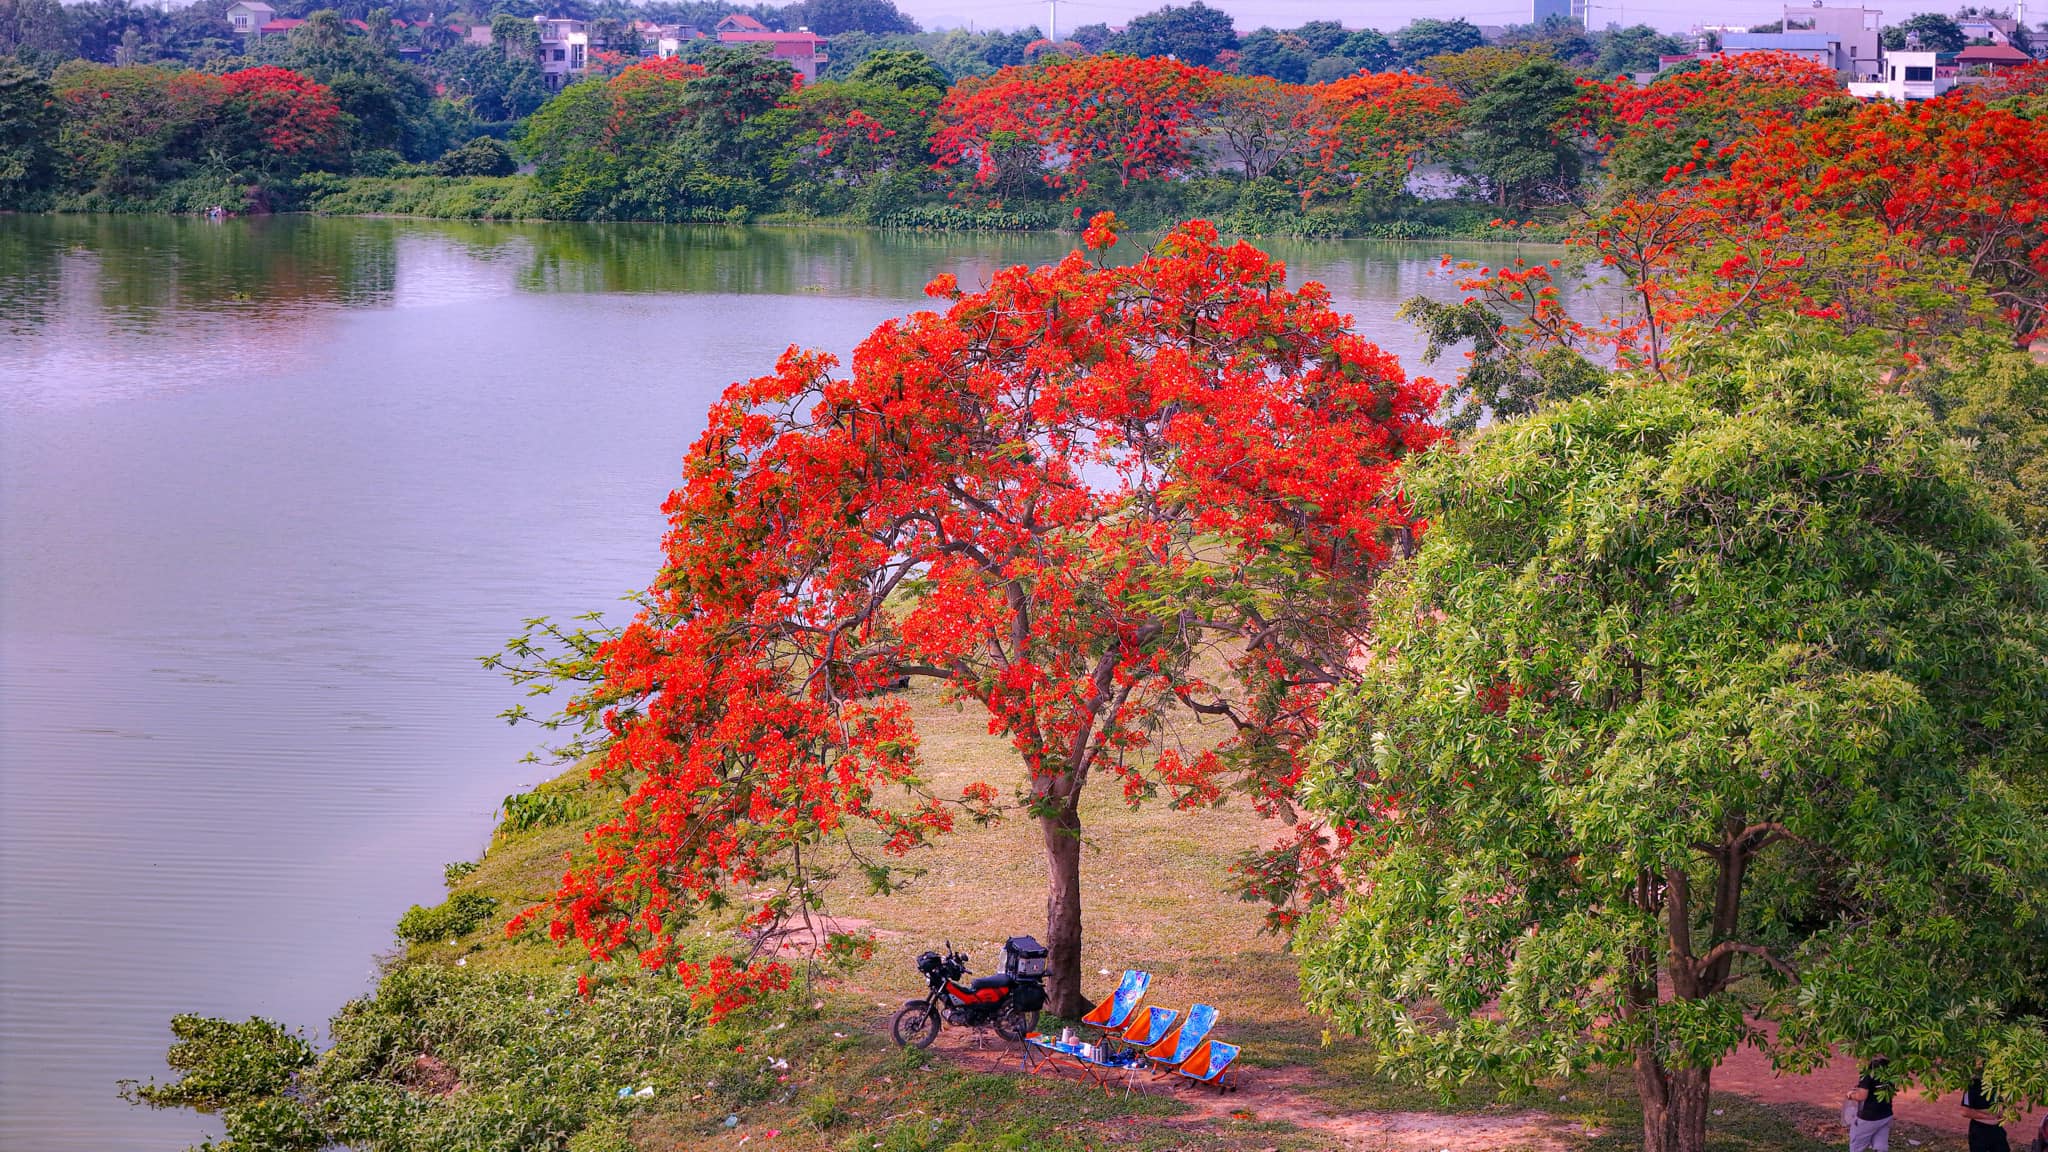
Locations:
{"points": [[143, 270]]}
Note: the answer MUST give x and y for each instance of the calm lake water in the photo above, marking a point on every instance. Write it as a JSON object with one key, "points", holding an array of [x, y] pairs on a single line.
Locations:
{"points": [[267, 490]]}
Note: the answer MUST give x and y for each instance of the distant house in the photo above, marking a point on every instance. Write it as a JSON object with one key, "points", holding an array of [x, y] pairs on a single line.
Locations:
{"points": [[247, 17], [738, 22], [801, 50], [478, 34], [564, 49], [1909, 75], [1990, 29], [1986, 59], [664, 41], [279, 26]]}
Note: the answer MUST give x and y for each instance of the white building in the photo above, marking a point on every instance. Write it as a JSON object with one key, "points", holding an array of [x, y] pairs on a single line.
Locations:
{"points": [[247, 17], [1908, 76], [564, 50]]}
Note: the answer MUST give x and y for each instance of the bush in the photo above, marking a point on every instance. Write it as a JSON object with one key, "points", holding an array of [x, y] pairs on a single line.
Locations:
{"points": [[456, 916], [482, 156], [959, 218], [544, 807], [442, 197], [452, 874]]}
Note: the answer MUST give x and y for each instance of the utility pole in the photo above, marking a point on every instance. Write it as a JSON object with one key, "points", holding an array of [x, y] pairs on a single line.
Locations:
{"points": [[1052, 21]]}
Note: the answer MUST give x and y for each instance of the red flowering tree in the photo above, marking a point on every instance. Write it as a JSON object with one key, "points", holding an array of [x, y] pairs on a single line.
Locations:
{"points": [[1265, 127], [1700, 116], [1371, 129], [1071, 121], [1940, 178], [1055, 497], [294, 116]]}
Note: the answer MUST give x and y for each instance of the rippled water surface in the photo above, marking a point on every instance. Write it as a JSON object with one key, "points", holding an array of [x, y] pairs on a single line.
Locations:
{"points": [[267, 489]]}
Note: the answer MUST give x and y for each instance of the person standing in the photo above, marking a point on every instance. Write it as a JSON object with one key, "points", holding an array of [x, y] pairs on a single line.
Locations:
{"points": [[1986, 1133], [1871, 1130]]}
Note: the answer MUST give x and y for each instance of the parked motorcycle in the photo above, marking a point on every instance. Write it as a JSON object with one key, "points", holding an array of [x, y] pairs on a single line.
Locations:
{"points": [[1009, 1001]]}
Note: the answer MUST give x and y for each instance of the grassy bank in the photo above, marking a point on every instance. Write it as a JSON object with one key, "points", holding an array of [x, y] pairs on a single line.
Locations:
{"points": [[478, 1041]]}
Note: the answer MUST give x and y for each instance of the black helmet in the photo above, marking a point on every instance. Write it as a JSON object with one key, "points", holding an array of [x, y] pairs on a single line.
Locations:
{"points": [[928, 963]]}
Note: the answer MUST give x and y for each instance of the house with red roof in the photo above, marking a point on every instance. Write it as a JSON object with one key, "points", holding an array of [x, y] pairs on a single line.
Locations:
{"points": [[802, 50]]}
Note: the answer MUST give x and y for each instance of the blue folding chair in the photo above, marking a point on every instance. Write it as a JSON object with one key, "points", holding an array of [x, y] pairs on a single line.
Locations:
{"points": [[1114, 1014], [1211, 1065], [1179, 1045], [1149, 1028]]}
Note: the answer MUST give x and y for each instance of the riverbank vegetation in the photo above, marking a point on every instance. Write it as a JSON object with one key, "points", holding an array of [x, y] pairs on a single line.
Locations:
{"points": [[1310, 132], [1669, 686]]}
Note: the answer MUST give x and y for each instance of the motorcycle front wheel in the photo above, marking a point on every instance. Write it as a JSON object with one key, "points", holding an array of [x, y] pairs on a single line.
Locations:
{"points": [[916, 1026], [1014, 1025]]}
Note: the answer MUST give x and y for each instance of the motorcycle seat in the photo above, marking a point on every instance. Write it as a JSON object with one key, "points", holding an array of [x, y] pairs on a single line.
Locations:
{"points": [[984, 983]]}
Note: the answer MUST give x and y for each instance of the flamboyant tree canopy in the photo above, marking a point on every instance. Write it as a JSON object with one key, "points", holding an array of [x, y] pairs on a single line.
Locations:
{"points": [[1702, 704], [1055, 496]]}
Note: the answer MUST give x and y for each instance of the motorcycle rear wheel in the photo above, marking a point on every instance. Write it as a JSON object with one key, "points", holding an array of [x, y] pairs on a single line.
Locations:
{"points": [[916, 1026], [1013, 1025]]}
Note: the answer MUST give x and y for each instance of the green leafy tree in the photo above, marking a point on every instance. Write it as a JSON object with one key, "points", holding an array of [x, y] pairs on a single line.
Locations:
{"points": [[1422, 39], [1193, 34], [1282, 55], [1702, 707], [1517, 137], [1505, 376], [28, 138], [1994, 401], [1092, 37], [1634, 49], [902, 69], [483, 156], [832, 17], [494, 85], [1936, 32], [1371, 49], [517, 37]]}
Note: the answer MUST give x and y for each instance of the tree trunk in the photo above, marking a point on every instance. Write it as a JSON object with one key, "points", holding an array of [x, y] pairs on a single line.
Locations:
{"points": [[1689, 1091], [1063, 910], [1654, 1086]]}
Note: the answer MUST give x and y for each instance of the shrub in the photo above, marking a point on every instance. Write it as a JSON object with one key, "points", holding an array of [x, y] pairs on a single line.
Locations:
{"points": [[482, 156], [452, 874], [544, 807], [456, 916]]}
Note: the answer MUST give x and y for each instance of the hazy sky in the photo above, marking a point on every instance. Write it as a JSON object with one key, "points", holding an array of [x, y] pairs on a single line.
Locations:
{"points": [[1387, 15]]}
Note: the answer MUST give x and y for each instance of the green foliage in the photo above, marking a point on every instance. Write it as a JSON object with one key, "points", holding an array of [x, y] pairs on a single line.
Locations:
{"points": [[459, 915], [1194, 34], [1517, 138], [1994, 400], [1634, 49], [494, 83], [1422, 39], [1701, 703], [28, 133], [904, 69], [442, 197], [482, 156], [452, 874], [1937, 32], [548, 806], [1503, 378], [241, 1072]]}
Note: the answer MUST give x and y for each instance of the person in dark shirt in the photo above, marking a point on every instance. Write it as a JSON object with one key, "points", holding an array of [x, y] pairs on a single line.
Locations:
{"points": [[1986, 1133], [1871, 1130]]}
